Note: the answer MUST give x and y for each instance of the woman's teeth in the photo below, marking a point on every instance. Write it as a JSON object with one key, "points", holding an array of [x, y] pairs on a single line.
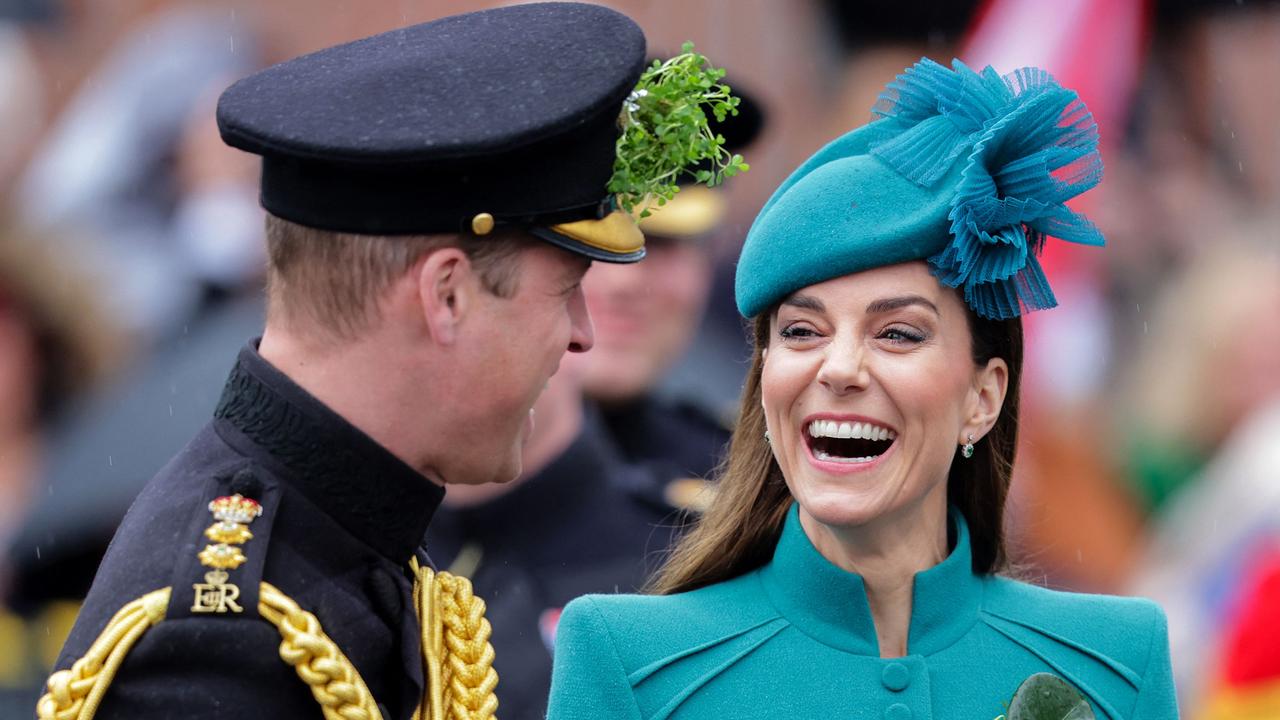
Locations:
{"points": [[836, 458], [847, 430], [851, 443]]}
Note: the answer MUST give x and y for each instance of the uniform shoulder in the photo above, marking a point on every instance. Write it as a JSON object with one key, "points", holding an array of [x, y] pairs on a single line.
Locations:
{"points": [[645, 629], [204, 542], [188, 534], [1116, 630]]}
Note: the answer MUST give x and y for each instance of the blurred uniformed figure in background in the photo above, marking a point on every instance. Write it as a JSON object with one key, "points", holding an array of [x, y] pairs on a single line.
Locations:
{"points": [[435, 195], [579, 520], [54, 344], [645, 318]]}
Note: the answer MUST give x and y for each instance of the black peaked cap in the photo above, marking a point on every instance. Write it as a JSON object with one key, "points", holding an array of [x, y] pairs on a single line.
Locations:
{"points": [[511, 112]]}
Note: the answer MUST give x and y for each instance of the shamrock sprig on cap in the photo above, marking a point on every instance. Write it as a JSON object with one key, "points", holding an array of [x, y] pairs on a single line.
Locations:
{"points": [[666, 131]]}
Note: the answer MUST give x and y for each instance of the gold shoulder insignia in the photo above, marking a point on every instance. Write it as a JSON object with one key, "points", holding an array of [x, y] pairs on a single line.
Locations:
{"points": [[232, 514]]}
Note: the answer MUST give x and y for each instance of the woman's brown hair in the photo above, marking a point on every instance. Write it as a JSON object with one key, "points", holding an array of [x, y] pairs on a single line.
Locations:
{"points": [[741, 527]]}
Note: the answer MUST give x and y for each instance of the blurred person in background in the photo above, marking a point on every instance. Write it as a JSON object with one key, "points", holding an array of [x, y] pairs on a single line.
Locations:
{"points": [[54, 345], [23, 108], [647, 315], [874, 40], [578, 520], [1200, 423], [134, 182], [134, 174], [1192, 169]]}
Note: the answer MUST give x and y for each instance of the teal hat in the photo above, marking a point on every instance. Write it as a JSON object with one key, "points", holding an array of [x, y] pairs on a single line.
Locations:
{"points": [[969, 171]]}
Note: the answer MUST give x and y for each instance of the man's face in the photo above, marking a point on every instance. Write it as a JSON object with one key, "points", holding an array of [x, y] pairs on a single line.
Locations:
{"points": [[645, 314], [513, 347]]}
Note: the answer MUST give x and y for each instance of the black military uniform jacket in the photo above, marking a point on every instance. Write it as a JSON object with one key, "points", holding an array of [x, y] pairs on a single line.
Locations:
{"points": [[341, 518], [586, 523], [678, 440]]}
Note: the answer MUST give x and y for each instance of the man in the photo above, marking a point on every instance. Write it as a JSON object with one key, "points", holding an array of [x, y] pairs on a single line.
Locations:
{"points": [[435, 195], [645, 317]]}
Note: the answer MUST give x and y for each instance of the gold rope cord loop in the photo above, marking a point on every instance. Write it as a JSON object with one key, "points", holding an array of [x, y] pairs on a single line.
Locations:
{"points": [[333, 680], [75, 693], [458, 657]]}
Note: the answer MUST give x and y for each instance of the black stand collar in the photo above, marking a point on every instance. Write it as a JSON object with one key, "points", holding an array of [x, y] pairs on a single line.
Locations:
{"points": [[367, 490]]}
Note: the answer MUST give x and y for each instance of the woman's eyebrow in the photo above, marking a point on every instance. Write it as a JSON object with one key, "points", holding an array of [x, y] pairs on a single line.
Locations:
{"points": [[887, 304], [805, 302]]}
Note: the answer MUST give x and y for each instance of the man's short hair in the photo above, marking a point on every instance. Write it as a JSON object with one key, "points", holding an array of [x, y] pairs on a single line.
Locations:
{"points": [[330, 282]]}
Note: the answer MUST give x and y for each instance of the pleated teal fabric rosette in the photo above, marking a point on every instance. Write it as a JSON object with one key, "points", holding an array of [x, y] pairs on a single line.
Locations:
{"points": [[967, 170]]}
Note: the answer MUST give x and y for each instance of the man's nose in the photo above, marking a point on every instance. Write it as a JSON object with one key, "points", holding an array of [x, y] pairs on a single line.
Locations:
{"points": [[582, 334]]}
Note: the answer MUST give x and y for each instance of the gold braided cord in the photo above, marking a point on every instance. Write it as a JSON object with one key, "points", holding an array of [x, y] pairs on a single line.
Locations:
{"points": [[458, 657], [470, 679], [426, 604], [74, 694], [333, 680]]}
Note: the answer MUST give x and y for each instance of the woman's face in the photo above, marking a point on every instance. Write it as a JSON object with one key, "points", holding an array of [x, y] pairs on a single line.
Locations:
{"points": [[869, 388]]}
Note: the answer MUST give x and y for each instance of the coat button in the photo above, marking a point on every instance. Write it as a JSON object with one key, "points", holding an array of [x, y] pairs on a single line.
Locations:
{"points": [[897, 711], [896, 677]]}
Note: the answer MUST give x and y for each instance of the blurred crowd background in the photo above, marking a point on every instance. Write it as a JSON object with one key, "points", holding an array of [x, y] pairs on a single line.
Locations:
{"points": [[131, 265]]}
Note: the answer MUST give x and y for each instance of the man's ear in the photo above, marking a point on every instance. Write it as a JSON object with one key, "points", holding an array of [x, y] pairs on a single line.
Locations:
{"points": [[990, 384], [446, 291]]}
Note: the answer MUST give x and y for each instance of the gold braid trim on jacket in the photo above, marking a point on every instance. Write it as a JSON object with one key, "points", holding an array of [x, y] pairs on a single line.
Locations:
{"points": [[333, 680], [74, 694], [458, 658], [457, 655]]}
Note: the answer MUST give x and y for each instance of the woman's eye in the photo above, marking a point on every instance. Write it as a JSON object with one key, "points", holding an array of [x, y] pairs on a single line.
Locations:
{"points": [[901, 335], [796, 331]]}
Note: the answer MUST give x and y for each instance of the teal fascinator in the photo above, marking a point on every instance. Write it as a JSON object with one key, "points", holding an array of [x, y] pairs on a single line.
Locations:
{"points": [[967, 170]]}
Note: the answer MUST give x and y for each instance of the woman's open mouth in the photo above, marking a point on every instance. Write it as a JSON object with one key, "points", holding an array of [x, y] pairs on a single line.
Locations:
{"points": [[848, 442]]}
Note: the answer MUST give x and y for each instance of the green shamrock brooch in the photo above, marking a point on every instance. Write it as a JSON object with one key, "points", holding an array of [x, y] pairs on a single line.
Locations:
{"points": [[1044, 696]]}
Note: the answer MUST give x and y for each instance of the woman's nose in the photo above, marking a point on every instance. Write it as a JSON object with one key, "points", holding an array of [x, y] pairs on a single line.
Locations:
{"points": [[844, 368]]}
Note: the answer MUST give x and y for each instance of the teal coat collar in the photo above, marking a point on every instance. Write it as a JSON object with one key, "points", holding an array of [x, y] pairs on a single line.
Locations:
{"points": [[830, 604]]}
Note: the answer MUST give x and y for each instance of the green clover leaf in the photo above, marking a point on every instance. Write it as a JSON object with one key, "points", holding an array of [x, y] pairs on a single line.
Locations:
{"points": [[666, 131]]}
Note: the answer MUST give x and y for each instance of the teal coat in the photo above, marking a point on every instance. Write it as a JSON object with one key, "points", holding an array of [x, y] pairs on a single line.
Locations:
{"points": [[795, 639]]}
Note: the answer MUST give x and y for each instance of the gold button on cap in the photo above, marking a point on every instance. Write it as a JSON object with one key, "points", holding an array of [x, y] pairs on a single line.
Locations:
{"points": [[482, 224]]}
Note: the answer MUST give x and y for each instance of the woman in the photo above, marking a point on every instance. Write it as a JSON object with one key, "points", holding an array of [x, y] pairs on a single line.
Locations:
{"points": [[848, 565]]}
